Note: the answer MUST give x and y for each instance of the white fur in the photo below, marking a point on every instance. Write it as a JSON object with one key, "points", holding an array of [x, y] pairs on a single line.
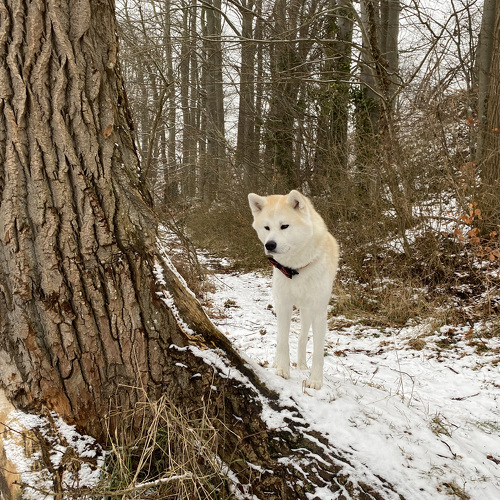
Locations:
{"points": [[307, 246]]}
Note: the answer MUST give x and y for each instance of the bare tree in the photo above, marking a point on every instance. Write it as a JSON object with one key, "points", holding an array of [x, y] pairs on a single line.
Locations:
{"points": [[189, 101], [490, 172], [332, 150], [247, 148], [147, 54], [484, 55], [293, 21], [213, 168], [168, 146], [379, 21]]}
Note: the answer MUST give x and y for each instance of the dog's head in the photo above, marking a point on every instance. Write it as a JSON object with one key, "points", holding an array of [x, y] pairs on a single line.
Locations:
{"points": [[282, 222]]}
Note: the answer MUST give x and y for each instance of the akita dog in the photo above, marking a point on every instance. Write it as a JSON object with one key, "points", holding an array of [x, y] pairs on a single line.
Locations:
{"points": [[305, 259]]}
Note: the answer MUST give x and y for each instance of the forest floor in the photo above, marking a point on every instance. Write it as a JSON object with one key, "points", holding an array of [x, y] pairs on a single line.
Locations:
{"points": [[418, 405]]}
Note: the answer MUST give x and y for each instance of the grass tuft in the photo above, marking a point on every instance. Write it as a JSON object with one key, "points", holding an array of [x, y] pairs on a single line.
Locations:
{"points": [[172, 457]]}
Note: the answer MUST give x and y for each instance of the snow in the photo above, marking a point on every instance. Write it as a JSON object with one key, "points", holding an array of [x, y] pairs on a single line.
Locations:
{"points": [[426, 420], [64, 445], [166, 297]]}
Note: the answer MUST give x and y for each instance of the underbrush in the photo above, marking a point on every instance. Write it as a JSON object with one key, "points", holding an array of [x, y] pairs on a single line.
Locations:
{"points": [[226, 230], [172, 457], [443, 280]]}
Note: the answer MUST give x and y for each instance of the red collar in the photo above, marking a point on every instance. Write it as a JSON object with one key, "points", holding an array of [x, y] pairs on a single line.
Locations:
{"points": [[287, 271]]}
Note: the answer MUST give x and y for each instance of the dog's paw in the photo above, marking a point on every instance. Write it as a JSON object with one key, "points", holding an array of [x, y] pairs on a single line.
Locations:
{"points": [[314, 383], [283, 372], [302, 365]]}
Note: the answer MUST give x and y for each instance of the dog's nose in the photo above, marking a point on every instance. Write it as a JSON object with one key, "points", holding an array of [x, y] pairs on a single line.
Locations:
{"points": [[271, 246]]}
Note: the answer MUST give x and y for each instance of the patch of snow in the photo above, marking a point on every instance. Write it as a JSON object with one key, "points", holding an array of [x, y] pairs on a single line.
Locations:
{"points": [[424, 419], [62, 439]]}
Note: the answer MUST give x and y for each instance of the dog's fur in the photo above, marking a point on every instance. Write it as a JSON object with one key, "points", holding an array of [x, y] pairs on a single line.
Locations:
{"points": [[295, 235]]}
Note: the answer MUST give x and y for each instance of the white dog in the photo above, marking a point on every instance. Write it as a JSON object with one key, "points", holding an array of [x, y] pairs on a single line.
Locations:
{"points": [[305, 256]]}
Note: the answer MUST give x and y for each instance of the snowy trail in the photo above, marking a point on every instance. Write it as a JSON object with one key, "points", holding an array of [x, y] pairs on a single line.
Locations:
{"points": [[427, 420]]}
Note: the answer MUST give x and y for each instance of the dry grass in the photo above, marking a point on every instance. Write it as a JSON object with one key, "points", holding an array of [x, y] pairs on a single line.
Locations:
{"points": [[226, 230], [384, 302], [444, 281], [172, 457]]}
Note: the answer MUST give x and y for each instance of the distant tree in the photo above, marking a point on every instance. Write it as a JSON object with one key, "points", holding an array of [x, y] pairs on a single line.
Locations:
{"points": [[380, 57], [295, 28], [484, 55], [378, 147], [213, 169], [189, 83], [147, 52], [490, 158], [168, 128], [280, 120], [333, 97], [247, 147]]}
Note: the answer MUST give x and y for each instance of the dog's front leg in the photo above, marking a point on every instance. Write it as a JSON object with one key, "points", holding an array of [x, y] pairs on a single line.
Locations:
{"points": [[282, 359], [319, 325], [305, 325]]}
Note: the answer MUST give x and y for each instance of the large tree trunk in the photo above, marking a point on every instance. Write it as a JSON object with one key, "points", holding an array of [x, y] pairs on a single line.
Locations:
{"points": [[74, 226], [92, 318]]}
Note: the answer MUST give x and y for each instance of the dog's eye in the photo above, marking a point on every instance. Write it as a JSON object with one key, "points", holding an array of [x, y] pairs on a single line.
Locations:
{"points": [[284, 226], [266, 228]]}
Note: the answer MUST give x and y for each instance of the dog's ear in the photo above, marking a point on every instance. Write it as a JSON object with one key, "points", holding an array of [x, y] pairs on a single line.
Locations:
{"points": [[256, 202], [296, 200]]}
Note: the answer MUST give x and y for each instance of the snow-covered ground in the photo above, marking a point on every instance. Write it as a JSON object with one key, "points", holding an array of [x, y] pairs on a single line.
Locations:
{"points": [[418, 406]]}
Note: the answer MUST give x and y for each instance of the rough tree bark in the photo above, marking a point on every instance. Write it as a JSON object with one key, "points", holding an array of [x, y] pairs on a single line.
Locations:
{"points": [[83, 330]]}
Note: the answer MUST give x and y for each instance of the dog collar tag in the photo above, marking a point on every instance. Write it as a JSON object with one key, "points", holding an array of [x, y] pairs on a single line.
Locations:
{"points": [[287, 271]]}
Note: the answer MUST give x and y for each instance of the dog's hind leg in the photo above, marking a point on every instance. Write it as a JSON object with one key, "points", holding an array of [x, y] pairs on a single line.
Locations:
{"points": [[305, 325], [319, 324], [282, 359]]}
